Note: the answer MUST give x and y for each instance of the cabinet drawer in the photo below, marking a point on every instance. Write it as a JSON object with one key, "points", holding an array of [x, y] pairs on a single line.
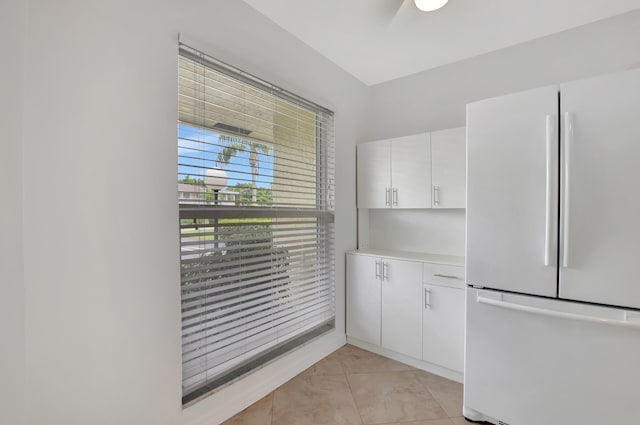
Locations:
{"points": [[440, 274]]}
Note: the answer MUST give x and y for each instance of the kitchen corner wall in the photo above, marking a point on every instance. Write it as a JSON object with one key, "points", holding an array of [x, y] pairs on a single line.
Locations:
{"points": [[436, 99], [99, 201]]}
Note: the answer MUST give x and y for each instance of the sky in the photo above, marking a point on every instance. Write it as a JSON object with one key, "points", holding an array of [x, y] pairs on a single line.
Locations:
{"points": [[199, 148]]}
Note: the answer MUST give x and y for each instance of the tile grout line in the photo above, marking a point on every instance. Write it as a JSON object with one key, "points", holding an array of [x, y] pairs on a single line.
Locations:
{"points": [[344, 358], [273, 396], [426, 387], [355, 403]]}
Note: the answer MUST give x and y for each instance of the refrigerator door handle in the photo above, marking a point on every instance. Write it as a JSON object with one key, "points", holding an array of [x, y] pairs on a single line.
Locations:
{"points": [[549, 257], [568, 141], [558, 314]]}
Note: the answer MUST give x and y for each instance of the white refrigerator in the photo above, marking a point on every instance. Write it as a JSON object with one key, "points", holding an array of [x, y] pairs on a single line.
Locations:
{"points": [[553, 255]]}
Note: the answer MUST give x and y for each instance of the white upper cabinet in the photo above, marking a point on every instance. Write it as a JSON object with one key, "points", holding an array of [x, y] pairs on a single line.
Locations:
{"points": [[411, 171], [448, 169], [395, 173], [374, 174], [419, 171]]}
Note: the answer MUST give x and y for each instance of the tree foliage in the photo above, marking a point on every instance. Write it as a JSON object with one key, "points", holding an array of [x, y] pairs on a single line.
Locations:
{"points": [[234, 147], [191, 180], [245, 194]]}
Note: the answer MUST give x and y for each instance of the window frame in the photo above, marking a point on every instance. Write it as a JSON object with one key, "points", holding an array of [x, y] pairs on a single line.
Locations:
{"points": [[323, 213]]}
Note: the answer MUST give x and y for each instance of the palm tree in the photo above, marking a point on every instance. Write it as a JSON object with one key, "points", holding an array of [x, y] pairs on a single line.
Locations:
{"points": [[238, 145]]}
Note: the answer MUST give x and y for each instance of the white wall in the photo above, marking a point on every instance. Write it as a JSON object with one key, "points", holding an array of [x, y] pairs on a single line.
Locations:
{"points": [[433, 231], [436, 99], [100, 236], [11, 278]]}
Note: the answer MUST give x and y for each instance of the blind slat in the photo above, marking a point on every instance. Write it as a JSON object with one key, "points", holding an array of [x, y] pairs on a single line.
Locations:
{"points": [[217, 303], [230, 340], [220, 335]]}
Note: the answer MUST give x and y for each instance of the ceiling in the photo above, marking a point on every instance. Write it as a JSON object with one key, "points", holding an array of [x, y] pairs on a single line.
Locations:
{"points": [[381, 40]]}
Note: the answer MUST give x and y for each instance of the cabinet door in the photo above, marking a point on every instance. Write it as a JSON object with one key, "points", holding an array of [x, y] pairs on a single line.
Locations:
{"points": [[443, 326], [411, 171], [363, 297], [374, 174], [448, 168], [402, 307]]}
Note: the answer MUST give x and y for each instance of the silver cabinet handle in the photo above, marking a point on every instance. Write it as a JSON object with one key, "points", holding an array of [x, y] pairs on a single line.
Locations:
{"points": [[385, 271], [436, 195], [377, 269], [427, 299], [387, 201], [395, 196], [448, 276]]}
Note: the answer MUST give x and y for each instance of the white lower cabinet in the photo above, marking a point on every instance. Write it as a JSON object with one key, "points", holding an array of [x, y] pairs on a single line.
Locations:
{"points": [[401, 307], [443, 316], [384, 306], [409, 307], [363, 298], [443, 327]]}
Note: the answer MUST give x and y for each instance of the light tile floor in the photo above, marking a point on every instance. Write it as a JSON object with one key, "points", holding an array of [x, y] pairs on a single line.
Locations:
{"points": [[354, 386]]}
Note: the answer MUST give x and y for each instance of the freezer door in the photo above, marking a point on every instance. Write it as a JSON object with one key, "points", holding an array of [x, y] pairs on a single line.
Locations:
{"points": [[512, 183], [600, 243], [535, 361]]}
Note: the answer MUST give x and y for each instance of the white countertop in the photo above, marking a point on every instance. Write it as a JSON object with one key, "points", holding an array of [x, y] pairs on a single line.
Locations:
{"points": [[425, 257]]}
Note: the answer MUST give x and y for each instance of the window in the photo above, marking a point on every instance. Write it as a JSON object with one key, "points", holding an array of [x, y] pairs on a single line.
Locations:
{"points": [[256, 235]]}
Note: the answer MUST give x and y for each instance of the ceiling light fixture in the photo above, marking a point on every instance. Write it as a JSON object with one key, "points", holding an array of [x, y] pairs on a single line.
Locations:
{"points": [[430, 5]]}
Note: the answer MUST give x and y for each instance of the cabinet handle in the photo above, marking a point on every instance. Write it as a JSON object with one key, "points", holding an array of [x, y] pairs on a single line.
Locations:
{"points": [[385, 271], [436, 195], [395, 196], [448, 276], [377, 269], [427, 299], [387, 201]]}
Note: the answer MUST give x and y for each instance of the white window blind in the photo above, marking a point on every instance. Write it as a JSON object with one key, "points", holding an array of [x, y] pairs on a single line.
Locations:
{"points": [[256, 200]]}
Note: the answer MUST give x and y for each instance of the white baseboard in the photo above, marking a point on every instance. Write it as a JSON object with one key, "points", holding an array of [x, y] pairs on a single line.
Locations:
{"points": [[419, 364], [228, 401]]}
